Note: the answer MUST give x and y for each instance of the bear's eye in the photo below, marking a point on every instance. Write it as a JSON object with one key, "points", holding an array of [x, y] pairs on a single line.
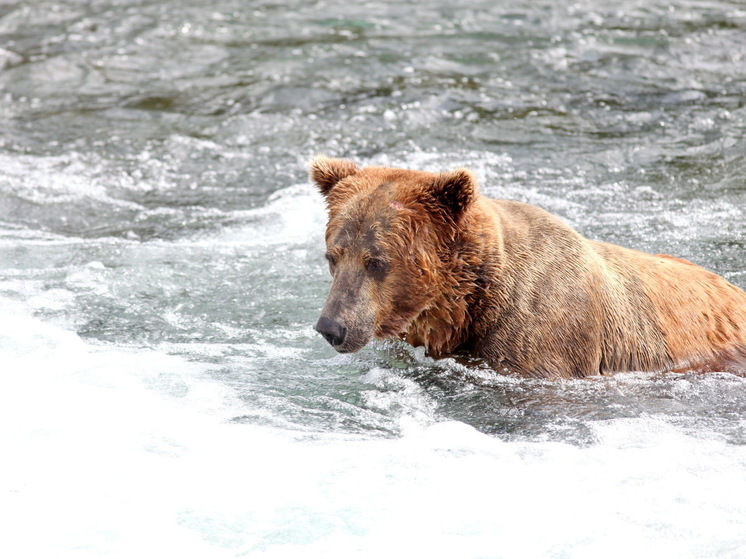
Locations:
{"points": [[332, 261], [376, 266]]}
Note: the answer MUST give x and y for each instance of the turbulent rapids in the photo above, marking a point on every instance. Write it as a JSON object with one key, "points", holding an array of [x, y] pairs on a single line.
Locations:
{"points": [[162, 265]]}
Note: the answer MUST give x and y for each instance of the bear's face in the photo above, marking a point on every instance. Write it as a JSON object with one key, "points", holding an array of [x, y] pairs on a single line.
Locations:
{"points": [[386, 246]]}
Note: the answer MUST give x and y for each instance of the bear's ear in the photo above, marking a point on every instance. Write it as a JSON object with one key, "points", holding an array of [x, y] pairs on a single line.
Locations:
{"points": [[454, 191], [327, 172]]}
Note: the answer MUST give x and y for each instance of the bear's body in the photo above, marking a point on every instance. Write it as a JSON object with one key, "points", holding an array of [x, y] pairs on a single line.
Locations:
{"points": [[423, 257]]}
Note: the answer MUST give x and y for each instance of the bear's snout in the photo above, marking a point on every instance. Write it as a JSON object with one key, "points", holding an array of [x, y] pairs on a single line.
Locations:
{"points": [[332, 330]]}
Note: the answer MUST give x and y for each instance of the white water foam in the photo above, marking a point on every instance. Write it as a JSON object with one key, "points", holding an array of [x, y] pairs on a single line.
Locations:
{"points": [[291, 216], [116, 452]]}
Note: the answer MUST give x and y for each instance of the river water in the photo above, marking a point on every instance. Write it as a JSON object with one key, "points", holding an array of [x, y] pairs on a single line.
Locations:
{"points": [[163, 393]]}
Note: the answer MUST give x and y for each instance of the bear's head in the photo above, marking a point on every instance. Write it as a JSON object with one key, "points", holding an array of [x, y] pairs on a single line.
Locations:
{"points": [[392, 243]]}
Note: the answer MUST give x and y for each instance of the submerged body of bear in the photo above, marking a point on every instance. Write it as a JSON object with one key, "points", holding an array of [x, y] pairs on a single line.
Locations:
{"points": [[423, 257]]}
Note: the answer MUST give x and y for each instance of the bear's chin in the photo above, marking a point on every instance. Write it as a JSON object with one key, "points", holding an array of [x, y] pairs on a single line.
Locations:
{"points": [[355, 342]]}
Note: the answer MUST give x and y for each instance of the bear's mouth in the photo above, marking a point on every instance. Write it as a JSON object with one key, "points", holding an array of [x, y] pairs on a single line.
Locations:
{"points": [[354, 341]]}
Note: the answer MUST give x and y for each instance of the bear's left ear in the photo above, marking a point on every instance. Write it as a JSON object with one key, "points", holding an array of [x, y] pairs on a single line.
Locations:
{"points": [[327, 172], [454, 191]]}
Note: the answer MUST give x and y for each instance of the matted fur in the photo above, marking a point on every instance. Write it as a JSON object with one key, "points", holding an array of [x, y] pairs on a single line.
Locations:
{"points": [[424, 257]]}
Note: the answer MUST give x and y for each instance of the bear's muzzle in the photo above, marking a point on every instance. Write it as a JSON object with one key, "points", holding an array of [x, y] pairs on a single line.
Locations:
{"points": [[333, 331]]}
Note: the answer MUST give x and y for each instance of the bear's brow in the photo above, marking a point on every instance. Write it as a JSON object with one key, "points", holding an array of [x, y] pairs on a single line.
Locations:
{"points": [[365, 237]]}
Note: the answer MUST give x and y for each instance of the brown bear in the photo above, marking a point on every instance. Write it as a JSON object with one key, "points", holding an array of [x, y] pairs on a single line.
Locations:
{"points": [[424, 257]]}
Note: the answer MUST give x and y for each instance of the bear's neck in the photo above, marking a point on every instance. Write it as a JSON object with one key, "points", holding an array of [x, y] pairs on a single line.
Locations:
{"points": [[466, 287]]}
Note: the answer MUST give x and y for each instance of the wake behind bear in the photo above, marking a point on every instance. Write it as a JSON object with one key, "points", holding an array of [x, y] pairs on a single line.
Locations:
{"points": [[424, 257]]}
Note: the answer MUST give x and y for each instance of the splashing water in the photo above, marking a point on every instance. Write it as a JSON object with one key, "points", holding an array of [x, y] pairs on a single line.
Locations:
{"points": [[161, 266]]}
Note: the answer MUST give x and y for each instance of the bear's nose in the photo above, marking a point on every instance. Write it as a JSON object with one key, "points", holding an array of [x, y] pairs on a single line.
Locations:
{"points": [[332, 330]]}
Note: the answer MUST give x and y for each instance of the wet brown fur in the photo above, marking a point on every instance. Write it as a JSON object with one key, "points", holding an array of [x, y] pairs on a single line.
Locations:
{"points": [[423, 257]]}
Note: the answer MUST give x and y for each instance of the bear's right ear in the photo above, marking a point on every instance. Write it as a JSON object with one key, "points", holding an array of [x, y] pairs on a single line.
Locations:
{"points": [[327, 172], [454, 191]]}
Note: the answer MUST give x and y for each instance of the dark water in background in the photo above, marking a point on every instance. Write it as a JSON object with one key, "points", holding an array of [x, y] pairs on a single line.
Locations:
{"points": [[156, 224], [181, 113]]}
